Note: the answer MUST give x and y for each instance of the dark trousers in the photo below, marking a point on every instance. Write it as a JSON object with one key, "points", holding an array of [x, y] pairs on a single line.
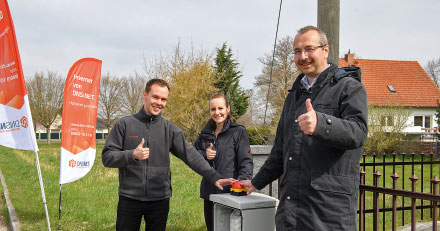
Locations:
{"points": [[209, 214], [130, 214]]}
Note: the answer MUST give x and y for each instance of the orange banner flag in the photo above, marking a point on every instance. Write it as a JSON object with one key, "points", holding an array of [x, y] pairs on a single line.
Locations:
{"points": [[16, 126], [80, 109]]}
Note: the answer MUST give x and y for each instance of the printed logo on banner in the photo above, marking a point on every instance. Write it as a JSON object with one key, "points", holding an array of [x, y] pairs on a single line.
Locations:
{"points": [[24, 122], [79, 164], [14, 125], [9, 126], [1, 15], [72, 163]]}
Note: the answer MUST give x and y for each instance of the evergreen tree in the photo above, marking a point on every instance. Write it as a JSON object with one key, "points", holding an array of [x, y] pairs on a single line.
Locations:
{"points": [[227, 78]]}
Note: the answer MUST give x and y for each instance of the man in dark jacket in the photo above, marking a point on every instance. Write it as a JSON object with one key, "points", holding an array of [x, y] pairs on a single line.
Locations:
{"points": [[139, 145], [318, 142]]}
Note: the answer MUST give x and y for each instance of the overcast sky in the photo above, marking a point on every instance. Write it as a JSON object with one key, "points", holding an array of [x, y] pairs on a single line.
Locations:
{"points": [[53, 34]]}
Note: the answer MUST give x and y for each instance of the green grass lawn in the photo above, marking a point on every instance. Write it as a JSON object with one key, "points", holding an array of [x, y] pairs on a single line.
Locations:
{"points": [[90, 202]]}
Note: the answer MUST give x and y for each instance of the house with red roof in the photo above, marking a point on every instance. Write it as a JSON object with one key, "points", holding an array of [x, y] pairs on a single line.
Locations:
{"points": [[403, 83]]}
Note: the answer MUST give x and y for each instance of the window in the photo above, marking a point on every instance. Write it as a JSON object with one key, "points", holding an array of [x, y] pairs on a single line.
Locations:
{"points": [[427, 121], [386, 121], [391, 88], [422, 121], [383, 120], [390, 121], [418, 121]]}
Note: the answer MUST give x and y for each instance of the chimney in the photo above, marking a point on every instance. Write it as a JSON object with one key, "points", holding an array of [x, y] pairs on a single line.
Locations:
{"points": [[349, 58]]}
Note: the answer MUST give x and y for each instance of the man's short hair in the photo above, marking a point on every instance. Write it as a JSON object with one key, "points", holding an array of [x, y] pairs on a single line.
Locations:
{"points": [[322, 36], [159, 82]]}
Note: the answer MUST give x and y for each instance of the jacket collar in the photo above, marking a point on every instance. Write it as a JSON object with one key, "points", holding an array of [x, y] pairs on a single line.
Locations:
{"points": [[323, 78], [210, 126], [332, 73], [143, 116]]}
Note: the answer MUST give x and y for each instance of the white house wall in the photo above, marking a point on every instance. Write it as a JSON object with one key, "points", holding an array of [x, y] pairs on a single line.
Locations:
{"points": [[420, 112]]}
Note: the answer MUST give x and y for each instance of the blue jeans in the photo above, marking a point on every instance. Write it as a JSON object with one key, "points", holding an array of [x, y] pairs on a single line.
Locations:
{"points": [[130, 212]]}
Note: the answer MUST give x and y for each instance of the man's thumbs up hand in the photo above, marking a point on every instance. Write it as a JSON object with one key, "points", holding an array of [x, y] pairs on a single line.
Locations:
{"points": [[309, 105], [308, 121], [141, 153], [141, 145]]}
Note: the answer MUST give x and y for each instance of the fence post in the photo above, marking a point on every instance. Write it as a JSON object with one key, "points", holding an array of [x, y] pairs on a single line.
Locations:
{"points": [[422, 155], [413, 179], [362, 203], [364, 155], [383, 185], [431, 190], [395, 176], [403, 187], [377, 175], [434, 181]]}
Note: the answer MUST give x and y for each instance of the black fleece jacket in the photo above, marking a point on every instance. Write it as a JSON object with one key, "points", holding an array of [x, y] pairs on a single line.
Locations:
{"points": [[150, 179]]}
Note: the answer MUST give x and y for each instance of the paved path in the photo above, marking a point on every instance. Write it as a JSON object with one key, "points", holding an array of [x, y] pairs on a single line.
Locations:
{"points": [[420, 226], [6, 202], [3, 226]]}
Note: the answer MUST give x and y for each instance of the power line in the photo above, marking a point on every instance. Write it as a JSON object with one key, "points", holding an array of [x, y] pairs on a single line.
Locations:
{"points": [[271, 68]]}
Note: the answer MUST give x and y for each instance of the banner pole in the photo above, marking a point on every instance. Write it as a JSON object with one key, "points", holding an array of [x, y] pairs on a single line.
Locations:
{"points": [[59, 211], [42, 190]]}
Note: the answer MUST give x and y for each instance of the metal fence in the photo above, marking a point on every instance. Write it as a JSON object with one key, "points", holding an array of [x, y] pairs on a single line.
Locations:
{"points": [[395, 189], [401, 188]]}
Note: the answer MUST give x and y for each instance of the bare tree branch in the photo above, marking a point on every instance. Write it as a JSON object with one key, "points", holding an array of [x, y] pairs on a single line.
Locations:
{"points": [[132, 93], [283, 75], [45, 98], [110, 100], [433, 70]]}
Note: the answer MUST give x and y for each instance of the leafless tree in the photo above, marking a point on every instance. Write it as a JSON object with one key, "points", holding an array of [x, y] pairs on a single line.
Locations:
{"points": [[110, 100], [158, 67], [284, 74], [433, 70], [132, 93], [45, 94], [252, 117]]}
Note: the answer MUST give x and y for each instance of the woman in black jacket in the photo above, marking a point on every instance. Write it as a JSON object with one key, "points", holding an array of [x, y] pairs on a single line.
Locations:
{"points": [[225, 144]]}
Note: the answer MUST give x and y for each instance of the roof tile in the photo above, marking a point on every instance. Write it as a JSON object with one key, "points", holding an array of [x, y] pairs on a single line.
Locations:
{"points": [[413, 86]]}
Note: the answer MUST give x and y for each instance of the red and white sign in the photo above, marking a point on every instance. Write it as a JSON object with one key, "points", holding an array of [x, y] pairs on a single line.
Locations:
{"points": [[16, 127], [80, 109]]}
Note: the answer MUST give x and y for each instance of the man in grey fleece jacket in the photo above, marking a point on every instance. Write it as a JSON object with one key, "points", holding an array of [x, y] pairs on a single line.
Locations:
{"points": [[144, 179]]}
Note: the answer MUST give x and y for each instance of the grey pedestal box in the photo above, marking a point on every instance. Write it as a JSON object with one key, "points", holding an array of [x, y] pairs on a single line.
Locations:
{"points": [[254, 212]]}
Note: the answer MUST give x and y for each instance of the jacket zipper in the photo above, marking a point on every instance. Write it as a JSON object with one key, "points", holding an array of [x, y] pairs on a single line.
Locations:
{"points": [[146, 161]]}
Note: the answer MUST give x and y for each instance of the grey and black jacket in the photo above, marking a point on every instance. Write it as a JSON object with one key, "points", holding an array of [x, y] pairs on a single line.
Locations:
{"points": [[233, 158], [150, 179], [319, 173]]}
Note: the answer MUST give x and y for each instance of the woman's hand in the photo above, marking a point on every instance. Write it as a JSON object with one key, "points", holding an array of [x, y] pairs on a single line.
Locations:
{"points": [[210, 154]]}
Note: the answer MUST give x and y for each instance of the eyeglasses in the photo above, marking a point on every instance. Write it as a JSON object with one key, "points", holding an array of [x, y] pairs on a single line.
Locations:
{"points": [[307, 50]]}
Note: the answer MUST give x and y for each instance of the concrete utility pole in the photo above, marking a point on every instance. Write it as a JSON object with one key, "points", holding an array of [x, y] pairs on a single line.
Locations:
{"points": [[328, 21]]}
